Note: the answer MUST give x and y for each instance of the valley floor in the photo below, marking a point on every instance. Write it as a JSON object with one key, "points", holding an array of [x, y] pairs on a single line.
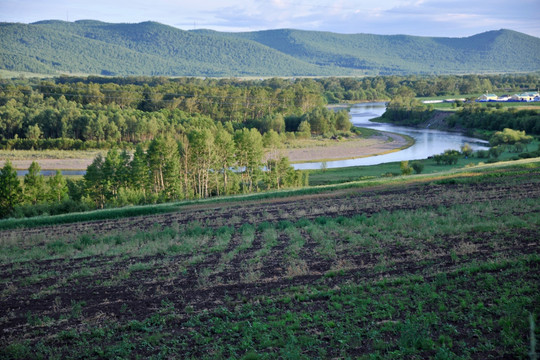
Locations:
{"points": [[443, 268]]}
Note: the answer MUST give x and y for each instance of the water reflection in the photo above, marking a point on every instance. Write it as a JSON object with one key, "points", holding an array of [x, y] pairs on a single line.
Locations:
{"points": [[427, 142]]}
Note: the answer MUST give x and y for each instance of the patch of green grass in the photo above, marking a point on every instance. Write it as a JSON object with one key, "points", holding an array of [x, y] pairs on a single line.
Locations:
{"points": [[352, 178], [359, 173]]}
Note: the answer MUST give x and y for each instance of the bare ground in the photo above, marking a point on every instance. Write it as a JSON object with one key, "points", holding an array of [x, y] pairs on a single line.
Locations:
{"points": [[348, 149], [107, 287], [52, 164]]}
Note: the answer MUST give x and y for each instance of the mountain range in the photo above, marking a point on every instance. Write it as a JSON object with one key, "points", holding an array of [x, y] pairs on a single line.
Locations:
{"points": [[150, 48]]}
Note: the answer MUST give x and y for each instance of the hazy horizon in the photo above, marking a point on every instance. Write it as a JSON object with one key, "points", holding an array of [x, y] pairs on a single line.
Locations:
{"points": [[444, 18]]}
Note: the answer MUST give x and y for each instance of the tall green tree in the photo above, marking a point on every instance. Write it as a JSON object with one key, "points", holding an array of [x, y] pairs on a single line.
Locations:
{"points": [[342, 120], [10, 189], [272, 143], [58, 189], [123, 169], [203, 158], [34, 184], [95, 183], [33, 132], [164, 165], [249, 154], [224, 149], [172, 171], [157, 155], [304, 130], [318, 119], [139, 171], [11, 119], [109, 170]]}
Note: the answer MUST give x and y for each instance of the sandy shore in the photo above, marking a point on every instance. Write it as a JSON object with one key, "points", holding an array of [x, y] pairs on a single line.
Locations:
{"points": [[337, 150], [52, 164], [349, 149]]}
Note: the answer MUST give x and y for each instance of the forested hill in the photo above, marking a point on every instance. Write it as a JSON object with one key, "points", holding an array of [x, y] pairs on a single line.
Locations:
{"points": [[499, 51], [149, 48]]}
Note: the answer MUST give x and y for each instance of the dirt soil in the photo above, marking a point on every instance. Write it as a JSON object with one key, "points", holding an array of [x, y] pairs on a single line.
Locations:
{"points": [[347, 202], [346, 149], [52, 164], [145, 290], [358, 148]]}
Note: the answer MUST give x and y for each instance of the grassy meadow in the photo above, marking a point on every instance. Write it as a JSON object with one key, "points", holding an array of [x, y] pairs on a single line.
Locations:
{"points": [[392, 169]]}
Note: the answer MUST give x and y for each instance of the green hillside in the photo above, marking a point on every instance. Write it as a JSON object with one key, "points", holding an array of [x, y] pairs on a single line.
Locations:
{"points": [[493, 51], [138, 49], [150, 48]]}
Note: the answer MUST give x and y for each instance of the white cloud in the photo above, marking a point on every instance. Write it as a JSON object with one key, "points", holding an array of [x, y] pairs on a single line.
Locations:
{"points": [[415, 17]]}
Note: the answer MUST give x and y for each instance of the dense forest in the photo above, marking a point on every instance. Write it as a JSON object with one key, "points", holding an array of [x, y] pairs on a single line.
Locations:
{"points": [[208, 162], [74, 113], [191, 138], [149, 48], [478, 120]]}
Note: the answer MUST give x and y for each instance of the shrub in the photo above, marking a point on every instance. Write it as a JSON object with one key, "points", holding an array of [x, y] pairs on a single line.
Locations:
{"points": [[418, 167], [448, 157], [495, 151], [509, 136], [466, 150], [405, 168], [482, 154]]}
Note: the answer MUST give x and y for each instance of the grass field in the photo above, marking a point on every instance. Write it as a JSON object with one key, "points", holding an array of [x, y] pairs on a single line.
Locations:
{"points": [[354, 173], [443, 267], [519, 105]]}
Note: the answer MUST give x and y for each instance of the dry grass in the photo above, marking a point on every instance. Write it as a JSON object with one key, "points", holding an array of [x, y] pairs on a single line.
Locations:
{"points": [[311, 150]]}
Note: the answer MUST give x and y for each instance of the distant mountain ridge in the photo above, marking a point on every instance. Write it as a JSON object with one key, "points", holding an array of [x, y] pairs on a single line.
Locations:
{"points": [[150, 48]]}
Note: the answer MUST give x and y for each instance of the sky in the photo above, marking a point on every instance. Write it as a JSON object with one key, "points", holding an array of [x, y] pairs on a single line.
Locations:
{"points": [[446, 18]]}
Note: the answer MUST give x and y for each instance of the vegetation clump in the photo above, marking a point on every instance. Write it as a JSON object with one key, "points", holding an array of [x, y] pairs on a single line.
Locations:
{"points": [[510, 137], [448, 157]]}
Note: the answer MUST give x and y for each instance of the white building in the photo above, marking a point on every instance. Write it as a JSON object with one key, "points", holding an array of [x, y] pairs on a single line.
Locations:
{"points": [[487, 97]]}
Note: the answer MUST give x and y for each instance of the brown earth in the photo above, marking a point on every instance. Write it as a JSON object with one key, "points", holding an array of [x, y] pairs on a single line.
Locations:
{"points": [[52, 164], [105, 302], [350, 149], [108, 288], [346, 149]]}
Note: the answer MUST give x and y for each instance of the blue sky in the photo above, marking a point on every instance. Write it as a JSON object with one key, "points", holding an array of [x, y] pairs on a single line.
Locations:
{"points": [[453, 18]]}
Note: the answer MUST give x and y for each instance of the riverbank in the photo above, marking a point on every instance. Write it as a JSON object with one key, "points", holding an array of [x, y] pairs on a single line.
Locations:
{"points": [[50, 159], [393, 169], [437, 121], [358, 147], [305, 151]]}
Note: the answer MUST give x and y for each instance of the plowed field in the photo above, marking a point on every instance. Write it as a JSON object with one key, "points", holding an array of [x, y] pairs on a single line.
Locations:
{"points": [[446, 269]]}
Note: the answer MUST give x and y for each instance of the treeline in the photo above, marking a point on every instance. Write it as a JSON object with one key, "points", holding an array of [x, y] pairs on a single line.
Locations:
{"points": [[98, 112], [205, 162], [388, 87], [208, 162], [471, 116], [407, 111], [474, 116], [138, 113], [36, 195]]}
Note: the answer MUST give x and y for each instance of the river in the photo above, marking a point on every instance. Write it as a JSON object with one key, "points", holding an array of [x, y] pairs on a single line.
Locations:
{"points": [[427, 142]]}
